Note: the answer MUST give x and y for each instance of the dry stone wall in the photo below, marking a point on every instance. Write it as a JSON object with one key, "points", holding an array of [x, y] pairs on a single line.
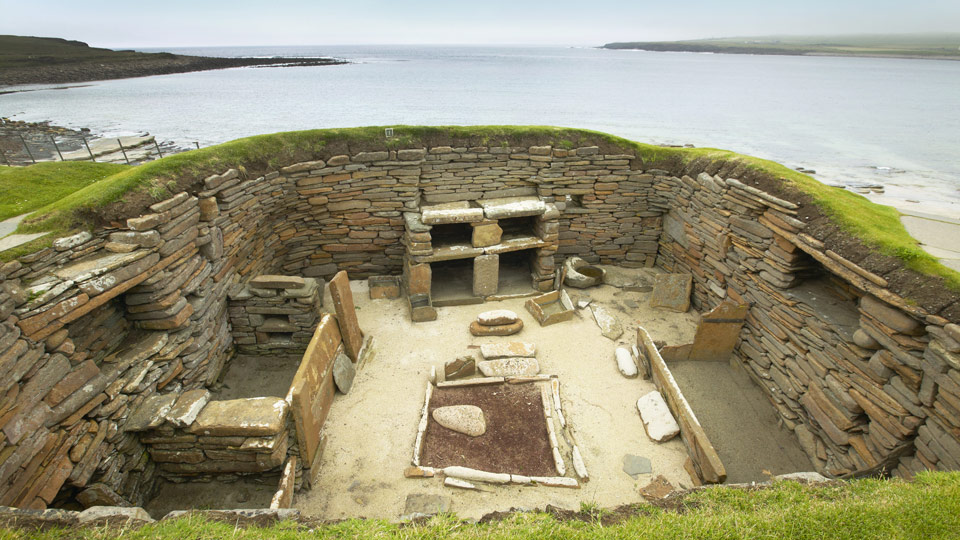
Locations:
{"points": [[99, 323], [866, 380]]}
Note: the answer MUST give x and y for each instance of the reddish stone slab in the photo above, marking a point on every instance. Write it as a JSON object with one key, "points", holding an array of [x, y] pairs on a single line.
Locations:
{"points": [[718, 332], [346, 314], [311, 392]]}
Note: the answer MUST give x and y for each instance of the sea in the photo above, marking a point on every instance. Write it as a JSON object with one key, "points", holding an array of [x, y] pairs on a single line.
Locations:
{"points": [[889, 128]]}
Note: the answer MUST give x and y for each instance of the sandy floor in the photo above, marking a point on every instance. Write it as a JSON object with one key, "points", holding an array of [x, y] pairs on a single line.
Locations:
{"points": [[740, 422], [371, 431]]}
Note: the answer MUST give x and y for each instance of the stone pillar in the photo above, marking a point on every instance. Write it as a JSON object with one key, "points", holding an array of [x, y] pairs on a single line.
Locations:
{"points": [[486, 275]]}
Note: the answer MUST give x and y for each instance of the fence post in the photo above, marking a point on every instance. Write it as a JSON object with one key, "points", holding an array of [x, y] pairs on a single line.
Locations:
{"points": [[92, 160], [29, 153], [57, 148], [125, 158], [197, 143], [159, 153]]}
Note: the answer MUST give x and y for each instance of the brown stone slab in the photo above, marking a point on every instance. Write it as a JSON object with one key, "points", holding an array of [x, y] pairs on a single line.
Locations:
{"points": [[250, 417], [718, 332], [346, 314], [311, 392], [672, 292], [277, 282]]}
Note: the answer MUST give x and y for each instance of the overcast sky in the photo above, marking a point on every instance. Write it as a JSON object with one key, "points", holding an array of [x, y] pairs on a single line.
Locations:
{"points": [[171, 23]]}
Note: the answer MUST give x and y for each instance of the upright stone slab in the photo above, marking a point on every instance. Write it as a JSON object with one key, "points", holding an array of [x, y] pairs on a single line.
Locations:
{"points": [[486, 275], [346, 314], [672, 292], [718, 332], [312, 389]]}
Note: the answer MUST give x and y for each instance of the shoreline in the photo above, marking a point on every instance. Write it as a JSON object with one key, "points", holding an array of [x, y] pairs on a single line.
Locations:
{"points": [[92, 71]]}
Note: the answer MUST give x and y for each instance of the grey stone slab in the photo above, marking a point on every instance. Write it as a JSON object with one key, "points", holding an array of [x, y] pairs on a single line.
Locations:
{"points": [[636, 465], [343, 372]]}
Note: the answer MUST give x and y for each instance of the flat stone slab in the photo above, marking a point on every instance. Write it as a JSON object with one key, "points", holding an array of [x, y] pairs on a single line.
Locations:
{"points": [[101, 265], [459, 368], [513, 349], [455, 212], [277, 282], [113, 513], [509, 367], [412, 222], [718, 332], [188, 407], [251, 417], [466, 419], [151, 413], [422, 504], [343, 373], [672, 292], [480, 330], [657, 420], [346, 314], [497, 316], [609, 324], [509, 207], [636, 465], [625, 363]]}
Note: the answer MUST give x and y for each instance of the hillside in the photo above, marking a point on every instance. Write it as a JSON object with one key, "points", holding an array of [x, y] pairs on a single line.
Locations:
{"points": [[38, 60]]}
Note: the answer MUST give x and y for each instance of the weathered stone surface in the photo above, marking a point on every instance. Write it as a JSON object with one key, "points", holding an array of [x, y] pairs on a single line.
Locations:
{"points": [[277, 282], [890, 316], [672, 292], [343, 373], [151, 413], [625, 363], [510, 207], [100, 495], [463, 366], [609, 325], [346, 314], [312, 389], [657, 420], [68, 242], [865, 340], [188, 407], [718, 332], [513, 349], [486, 234], [497, 317], [581, 275], [209, 209], [466, 419], [479, 330], [636, 465], [486, 275], [250, 417], [114, 513], [422, 505], [457, 212], [506, 367]]}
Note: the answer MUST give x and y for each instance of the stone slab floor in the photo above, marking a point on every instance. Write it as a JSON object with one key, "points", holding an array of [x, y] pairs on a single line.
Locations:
{"points": [[370, 432]]}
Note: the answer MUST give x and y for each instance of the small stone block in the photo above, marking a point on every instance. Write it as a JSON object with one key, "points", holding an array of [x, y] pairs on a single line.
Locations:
{"points": [[277, 282], [464, 366], [480, 330], [513, 349], [672, 292], [657, 419]]}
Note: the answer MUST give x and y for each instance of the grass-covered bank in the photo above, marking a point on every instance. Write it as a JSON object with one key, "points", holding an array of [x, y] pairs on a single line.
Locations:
{"points": [[927, 508], [132, 189], [25, 189]]}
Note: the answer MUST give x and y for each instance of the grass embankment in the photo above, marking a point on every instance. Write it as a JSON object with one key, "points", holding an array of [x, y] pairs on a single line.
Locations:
{"points": [[29, 51], [875, 225], [24, 189], [927, 508], [934, 45]]}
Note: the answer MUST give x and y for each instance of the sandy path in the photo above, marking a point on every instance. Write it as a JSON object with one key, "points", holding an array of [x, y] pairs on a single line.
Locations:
{"points": [[371, 431]]}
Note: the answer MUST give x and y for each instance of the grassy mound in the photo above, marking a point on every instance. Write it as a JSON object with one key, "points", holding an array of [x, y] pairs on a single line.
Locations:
{"points": [[875, 225], [927, 508], [25, 189]]}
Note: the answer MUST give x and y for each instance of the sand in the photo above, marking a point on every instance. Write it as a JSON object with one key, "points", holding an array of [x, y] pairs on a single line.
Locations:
{"points": [[370, 432]]}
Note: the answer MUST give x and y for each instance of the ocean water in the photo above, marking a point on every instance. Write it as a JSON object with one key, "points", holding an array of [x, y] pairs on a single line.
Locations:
{"points": [[856, 121]]}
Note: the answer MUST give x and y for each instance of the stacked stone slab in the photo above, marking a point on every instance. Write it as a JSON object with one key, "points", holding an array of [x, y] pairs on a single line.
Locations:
{"points": [[101, 321], [275, 314], [852, 368]]}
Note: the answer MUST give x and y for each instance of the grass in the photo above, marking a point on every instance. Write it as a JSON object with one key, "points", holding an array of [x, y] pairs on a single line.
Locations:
{"points": [[25, 189], [927, 508], [29, 51], [876, 225]]}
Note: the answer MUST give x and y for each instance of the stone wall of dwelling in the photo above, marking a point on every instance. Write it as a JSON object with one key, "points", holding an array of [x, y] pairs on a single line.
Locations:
{"points": [[102, 321], [866, 380]]}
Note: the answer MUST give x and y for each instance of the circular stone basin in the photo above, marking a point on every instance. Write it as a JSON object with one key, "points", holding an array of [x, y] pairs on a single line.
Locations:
{"points": [[581, 275]]}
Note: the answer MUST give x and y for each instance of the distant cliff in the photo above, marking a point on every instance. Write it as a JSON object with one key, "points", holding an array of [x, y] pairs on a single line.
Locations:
{"points": [[37, 60]]}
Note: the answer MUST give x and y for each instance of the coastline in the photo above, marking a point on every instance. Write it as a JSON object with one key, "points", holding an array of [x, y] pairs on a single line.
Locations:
{"points": [[166, 65]]}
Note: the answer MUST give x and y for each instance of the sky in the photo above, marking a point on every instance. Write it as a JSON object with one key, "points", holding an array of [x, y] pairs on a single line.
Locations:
{"points": [[173, 23]]}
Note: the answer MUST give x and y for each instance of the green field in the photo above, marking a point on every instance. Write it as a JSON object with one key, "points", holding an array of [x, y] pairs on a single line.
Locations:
{"points": [[25, 189], [941, 45], [26, 51], [925, 509]]}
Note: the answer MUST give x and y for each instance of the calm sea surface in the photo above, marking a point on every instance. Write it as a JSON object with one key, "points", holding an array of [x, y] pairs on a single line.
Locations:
{"points": [[854, 120]]}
